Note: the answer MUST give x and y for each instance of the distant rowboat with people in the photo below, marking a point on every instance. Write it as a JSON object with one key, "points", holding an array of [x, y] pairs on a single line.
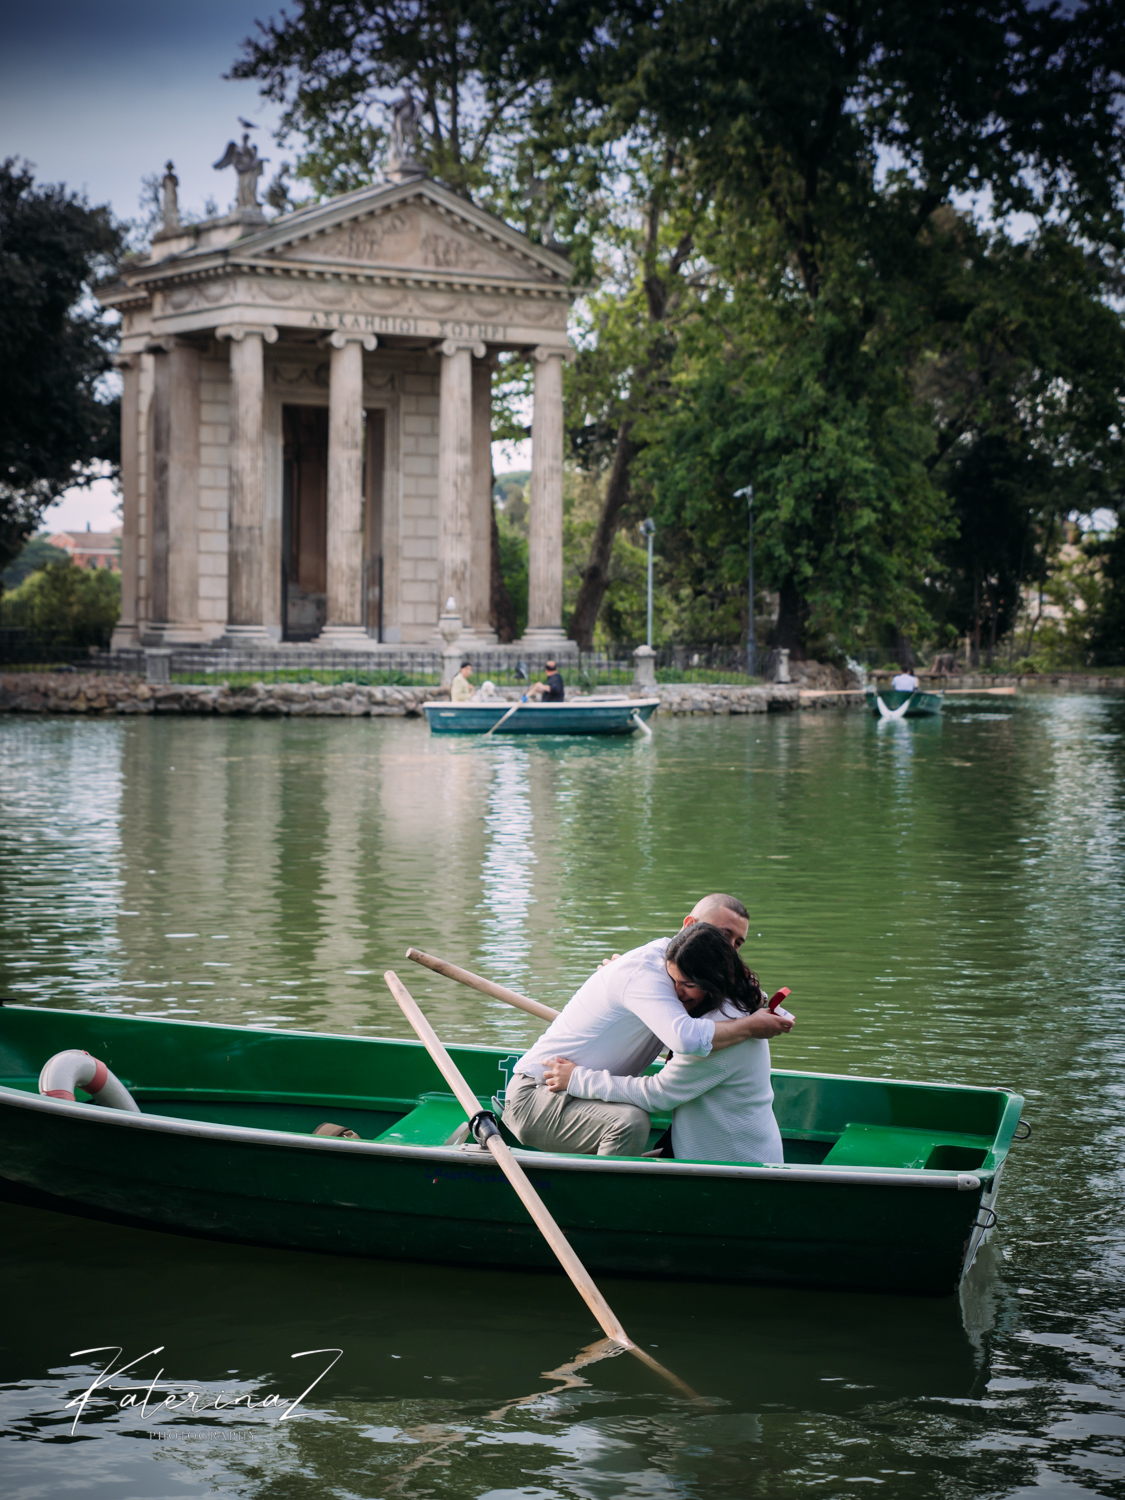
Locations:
{"points": [[573, 716]]}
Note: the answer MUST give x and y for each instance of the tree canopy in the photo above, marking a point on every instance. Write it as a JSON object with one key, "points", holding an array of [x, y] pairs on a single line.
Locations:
{"points": [[864, 257], [56, 421]]}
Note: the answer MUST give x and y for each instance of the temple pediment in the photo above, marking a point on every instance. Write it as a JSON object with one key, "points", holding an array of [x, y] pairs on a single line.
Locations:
{"points": [[417, 229]]}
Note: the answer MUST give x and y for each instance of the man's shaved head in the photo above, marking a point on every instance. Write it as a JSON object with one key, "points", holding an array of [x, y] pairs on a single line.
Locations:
{"points": [[703, 908], [726, 912]]}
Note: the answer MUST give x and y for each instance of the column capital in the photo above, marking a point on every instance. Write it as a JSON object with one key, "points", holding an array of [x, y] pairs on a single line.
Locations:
{"points": [[449, 347], [339, 338], [238, 331], [543, 352], [125, 361]]}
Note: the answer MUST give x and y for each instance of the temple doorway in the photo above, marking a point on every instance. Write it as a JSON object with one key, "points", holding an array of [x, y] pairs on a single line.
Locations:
{"points": [[304, 521], [304, 555]]}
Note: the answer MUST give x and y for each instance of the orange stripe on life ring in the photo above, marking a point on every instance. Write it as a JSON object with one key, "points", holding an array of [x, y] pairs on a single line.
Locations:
{"points": [[60, 1094], [97, 1083]]}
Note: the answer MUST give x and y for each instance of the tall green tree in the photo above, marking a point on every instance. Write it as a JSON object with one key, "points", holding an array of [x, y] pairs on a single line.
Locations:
{"points": [[1023, 379], [832, 139], [56, 421], [335, 65]]}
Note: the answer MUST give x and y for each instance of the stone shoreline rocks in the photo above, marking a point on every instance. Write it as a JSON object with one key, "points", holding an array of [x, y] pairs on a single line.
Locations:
{"points": [[102, 694], [90, 693]]}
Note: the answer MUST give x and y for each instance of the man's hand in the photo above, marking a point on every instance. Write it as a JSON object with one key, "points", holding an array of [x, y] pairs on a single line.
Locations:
{"points": [[762, 1024], [611, 960], [556, 1073]]}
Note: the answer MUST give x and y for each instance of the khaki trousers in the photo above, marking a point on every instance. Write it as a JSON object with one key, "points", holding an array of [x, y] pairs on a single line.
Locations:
{"points": [[558, 1122]]}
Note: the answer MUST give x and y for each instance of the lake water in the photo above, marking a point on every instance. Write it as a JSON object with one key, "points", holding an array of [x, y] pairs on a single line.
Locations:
{"points": [[946, 900]]}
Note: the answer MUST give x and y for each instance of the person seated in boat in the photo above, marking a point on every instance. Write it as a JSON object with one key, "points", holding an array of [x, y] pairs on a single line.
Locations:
{"points": [[905, 681], [722, 1104], [618, 1022], [551, 691], [460, 689]]}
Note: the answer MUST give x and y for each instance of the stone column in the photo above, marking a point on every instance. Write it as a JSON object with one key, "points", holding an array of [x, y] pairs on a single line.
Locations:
{"points": [[455, 479], [545, 560], [175, 495], [245, 551], [480, 571], [344, 625], [125, 633]]}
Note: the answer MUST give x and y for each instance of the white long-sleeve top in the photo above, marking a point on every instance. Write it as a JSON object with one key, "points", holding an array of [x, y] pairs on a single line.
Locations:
{"points": [[620, 1019], [722, 1104]]}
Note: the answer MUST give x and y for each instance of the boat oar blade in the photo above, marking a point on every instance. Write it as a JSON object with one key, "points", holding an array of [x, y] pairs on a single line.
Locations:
{"points": [[583, 1282], [486, 987]]}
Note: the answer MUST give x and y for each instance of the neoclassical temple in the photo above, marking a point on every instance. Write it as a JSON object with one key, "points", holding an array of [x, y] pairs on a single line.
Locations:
{"points": [[306, 419]]}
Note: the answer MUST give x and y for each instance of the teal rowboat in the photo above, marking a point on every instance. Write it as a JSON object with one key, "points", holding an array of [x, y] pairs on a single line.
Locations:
{"points": [[895, 705], [572, 716], [886, 1185]]}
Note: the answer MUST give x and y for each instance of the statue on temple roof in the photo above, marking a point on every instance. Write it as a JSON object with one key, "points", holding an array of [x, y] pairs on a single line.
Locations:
{"points": [[249, 166], [406, 116], [170, 202]]}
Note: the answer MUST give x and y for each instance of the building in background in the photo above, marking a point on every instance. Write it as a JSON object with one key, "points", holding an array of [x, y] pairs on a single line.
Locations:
{"points": [[306, 420], [90, 549]]}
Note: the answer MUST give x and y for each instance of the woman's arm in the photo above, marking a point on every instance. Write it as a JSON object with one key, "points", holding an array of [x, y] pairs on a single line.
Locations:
{"points": [[682, 1079]]}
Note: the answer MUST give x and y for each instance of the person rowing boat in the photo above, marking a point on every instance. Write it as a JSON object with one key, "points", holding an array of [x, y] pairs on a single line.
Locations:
{"points": [[722, 1104], [617, 1022]]}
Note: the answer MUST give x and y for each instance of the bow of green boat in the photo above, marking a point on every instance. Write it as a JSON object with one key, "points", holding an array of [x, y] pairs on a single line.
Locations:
{"points": [[885, 1184]]}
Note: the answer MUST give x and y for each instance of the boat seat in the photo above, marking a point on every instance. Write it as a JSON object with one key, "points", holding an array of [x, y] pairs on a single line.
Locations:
{"points": [[902, 1146], [434, 1122]]}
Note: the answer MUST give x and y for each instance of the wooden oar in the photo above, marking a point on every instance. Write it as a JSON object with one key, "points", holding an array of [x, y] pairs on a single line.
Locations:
{"points": [[487, 1133], [486, 987], [504, 719]]}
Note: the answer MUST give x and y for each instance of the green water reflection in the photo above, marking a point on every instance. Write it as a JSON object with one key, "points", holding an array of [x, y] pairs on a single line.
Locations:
{"points": [[945, 899]]}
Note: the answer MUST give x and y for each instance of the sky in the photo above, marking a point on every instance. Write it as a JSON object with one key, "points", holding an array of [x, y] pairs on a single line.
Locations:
{"points": [[99, 96]]}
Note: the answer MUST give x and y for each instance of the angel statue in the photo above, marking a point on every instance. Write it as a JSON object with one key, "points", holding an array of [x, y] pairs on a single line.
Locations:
{"points": [[406, 116], [249, 166]]}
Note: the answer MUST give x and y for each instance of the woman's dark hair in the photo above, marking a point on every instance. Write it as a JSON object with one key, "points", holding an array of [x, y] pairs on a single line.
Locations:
{"points": [[704, 956]]}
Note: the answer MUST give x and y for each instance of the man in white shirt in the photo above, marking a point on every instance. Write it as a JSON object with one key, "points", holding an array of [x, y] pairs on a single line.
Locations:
{"points": [[905, 681], [618, 1022]]}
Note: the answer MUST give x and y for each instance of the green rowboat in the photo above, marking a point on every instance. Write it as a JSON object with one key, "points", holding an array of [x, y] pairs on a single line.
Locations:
{"points": [[886, 1185], [886, 703]]}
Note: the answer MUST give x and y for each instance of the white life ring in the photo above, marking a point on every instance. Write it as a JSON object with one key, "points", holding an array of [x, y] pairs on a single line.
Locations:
{"points": [[66, 1071]]}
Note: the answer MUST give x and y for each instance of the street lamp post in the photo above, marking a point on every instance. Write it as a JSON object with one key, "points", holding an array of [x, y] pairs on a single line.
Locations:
{"points": [[648, 531], [747, 494]]}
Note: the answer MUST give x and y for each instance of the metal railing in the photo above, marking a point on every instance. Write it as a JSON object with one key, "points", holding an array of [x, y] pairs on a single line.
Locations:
{"points": [[414, 666], [22, 650]]}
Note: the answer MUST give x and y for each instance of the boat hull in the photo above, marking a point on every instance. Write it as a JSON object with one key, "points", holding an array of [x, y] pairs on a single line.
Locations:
{"points": [[171, 1168], [574, 716], [919, 705]]}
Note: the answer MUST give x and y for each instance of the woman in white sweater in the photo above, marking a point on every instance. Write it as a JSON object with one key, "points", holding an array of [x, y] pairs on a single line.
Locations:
{"points": [[722, 1104]]}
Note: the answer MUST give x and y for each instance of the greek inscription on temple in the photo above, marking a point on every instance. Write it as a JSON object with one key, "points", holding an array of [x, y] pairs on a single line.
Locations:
{"points": [[442, 328]]}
